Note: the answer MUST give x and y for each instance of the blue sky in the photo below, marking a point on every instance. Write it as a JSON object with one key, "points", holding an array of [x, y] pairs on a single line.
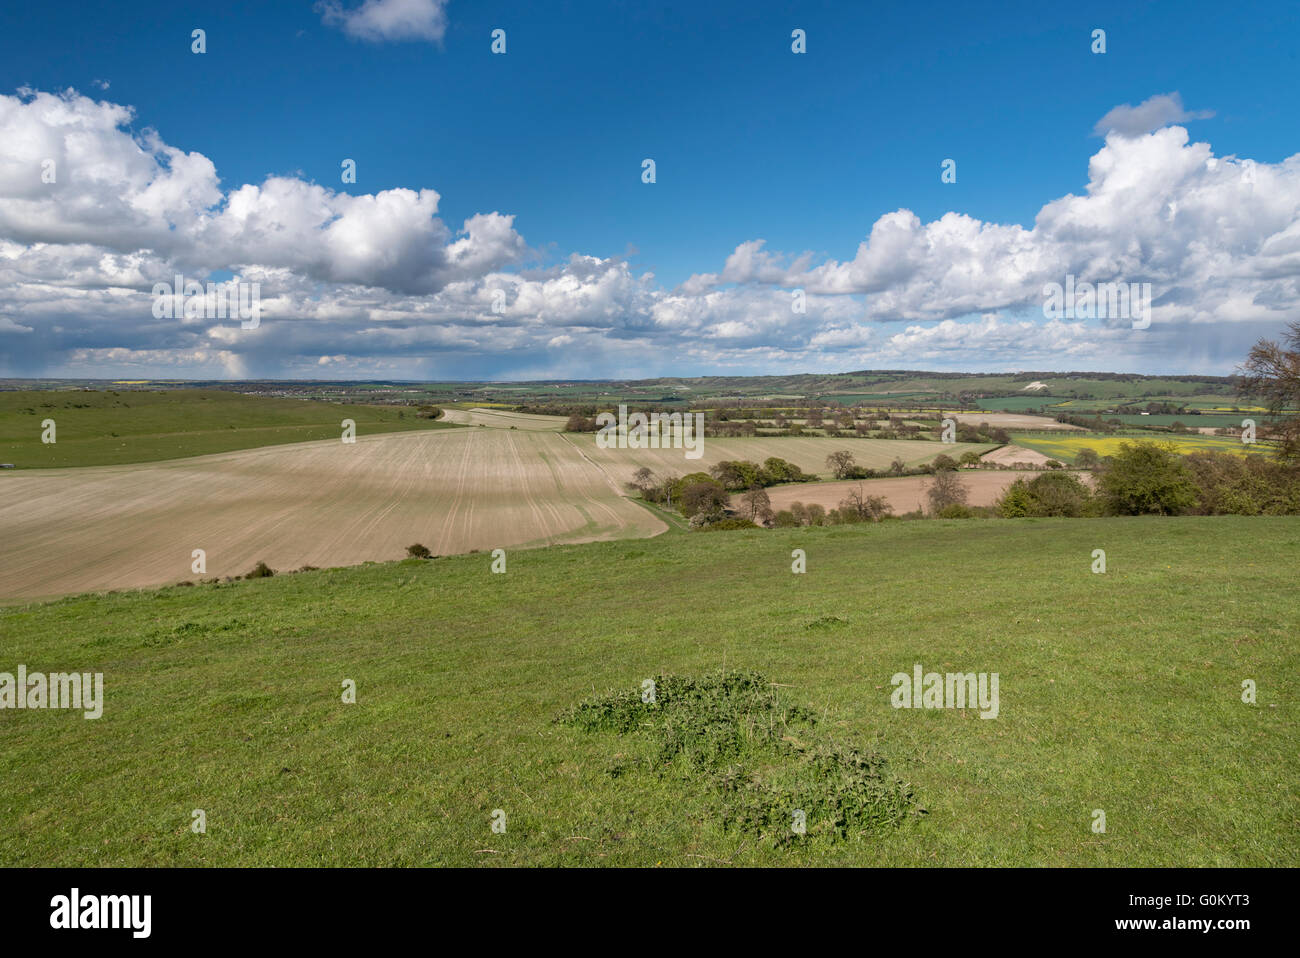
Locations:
{"points": [[751, 142]]}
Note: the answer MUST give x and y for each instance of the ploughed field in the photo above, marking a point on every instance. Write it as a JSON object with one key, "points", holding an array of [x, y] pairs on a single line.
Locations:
{"points": [[332, 503], [1118, 692], [904, 493], [323, 504], [1013, 421], [502, 419]]}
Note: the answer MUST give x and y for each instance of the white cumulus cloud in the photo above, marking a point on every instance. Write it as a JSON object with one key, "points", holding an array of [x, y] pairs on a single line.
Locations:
{"points": [[378, 21], [93, 214]]}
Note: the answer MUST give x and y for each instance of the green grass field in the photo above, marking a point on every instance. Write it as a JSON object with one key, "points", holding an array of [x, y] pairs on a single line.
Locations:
{"points": [[1017, 403], [113, 427], [1119, 692]]}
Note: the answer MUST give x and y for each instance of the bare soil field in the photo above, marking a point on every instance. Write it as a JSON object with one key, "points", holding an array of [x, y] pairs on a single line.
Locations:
{"points": [[1008, 420], [503, 419], [905, 494], [1012, 455], [319, 503]]}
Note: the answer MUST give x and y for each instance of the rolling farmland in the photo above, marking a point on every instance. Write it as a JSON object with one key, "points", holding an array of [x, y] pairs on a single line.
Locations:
{"points": [[323, 504], [330, 503], [809, 454]]}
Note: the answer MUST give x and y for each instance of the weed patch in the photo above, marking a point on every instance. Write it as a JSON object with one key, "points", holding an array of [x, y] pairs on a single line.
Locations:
{"points": [[761, 756]]}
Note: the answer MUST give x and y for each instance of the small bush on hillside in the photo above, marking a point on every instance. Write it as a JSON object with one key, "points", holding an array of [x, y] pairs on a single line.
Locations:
{"points": [[1016, 502], [731, 523], [260, 571], [418, 551], [857, 506], [1048, 494], [809, 515]]}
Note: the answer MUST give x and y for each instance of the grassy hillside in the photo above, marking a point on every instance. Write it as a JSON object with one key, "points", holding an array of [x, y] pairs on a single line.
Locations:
{"points": [[1119, 692], [122, 426]]}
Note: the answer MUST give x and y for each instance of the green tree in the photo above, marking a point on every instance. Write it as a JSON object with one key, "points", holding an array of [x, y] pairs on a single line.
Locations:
{"points": [[778, 470], [706, 498], [736, 474], [1058, 494], [785, 519], [1087, 458], [1017, 501], [1147, 477], [840, 463]]}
